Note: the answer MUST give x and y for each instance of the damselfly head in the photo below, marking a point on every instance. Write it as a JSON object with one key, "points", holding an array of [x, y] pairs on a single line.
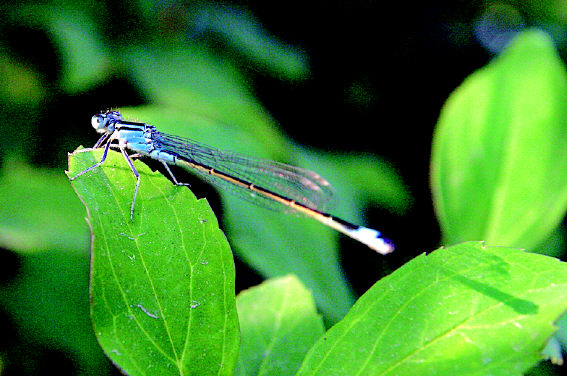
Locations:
{"points": [[100, 122]]}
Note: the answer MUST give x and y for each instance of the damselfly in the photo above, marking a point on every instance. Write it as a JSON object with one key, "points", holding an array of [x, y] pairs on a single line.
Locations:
{"points": [[266, 183]]}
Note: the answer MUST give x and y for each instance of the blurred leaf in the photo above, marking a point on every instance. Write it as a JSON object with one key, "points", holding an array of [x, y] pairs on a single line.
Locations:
{"points": [[467, 309], [49, 304], [359, 181], [562, 332], [207, 130], [552, 351], [84, 59], [240, 30], [555, 244], [500, 149], [32, 217], [20, 83], [198, 86], [276, 244], [279, 324], [162, 285]]}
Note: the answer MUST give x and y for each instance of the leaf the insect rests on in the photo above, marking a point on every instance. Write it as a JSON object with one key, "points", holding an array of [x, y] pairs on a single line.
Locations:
{"points": [[162, 285], [464, 310]]}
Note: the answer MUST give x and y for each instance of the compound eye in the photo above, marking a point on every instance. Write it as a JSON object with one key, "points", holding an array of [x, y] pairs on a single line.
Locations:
{"points": [[98, 123]]}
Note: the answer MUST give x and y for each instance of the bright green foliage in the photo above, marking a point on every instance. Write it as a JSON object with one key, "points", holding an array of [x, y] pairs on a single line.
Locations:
{"points": [[31, 215], [49, 303], [500, 150], [84, 59], [162, 285], [464, 310], [279, 324]]}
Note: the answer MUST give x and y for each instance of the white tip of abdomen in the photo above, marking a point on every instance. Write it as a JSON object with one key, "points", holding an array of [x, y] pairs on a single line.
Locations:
{"points": [[372, 239]]}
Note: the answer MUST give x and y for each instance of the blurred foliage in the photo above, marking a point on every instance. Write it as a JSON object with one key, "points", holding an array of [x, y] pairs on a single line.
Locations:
{"points": [[33, 218], [199, 70], [501, 148], [275, 341]]}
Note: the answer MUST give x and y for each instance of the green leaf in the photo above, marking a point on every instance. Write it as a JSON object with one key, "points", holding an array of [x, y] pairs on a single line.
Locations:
{"points": [[500, 149], [21, 85], [85, 60], [279, 324], [83, 56], [240, 30], [194, 85], [467, 309], [162, 285], [561, 334], [49, 305], [359, 180], [31, 215]]}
